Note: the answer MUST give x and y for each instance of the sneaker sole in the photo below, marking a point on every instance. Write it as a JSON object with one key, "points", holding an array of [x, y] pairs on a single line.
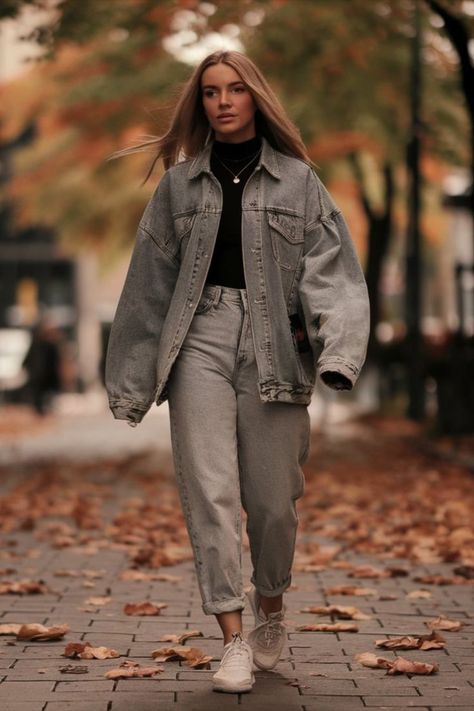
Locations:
{"points": [[233, 689]]}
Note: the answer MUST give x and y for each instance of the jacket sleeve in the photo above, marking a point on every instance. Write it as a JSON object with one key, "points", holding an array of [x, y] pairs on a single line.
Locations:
{"points": [[131, 360], [333, 291]]}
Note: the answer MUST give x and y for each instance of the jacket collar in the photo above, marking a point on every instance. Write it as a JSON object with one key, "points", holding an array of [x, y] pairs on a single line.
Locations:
{"points": [[268, 159]]}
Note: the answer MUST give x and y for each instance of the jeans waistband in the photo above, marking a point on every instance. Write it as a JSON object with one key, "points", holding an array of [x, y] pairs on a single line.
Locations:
{"points": [[225, 293]]}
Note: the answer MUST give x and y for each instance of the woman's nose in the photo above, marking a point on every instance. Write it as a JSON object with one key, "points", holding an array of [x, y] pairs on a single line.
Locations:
{"points": [[224, 99]]}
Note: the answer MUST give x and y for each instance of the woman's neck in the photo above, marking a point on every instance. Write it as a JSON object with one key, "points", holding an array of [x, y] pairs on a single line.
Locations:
{"points": [[237, 150]]}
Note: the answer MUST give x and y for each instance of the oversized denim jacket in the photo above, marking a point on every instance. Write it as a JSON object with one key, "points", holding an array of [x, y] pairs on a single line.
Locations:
{"points": [[298, 258]]}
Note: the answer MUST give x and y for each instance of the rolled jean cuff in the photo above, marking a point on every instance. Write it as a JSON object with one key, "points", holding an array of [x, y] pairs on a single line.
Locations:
{"points": [[273, 592], [229, 605]]}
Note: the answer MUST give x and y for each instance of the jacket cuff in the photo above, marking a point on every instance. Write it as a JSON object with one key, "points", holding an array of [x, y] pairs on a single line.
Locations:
{"points": [[338, 365], [132, 414]]}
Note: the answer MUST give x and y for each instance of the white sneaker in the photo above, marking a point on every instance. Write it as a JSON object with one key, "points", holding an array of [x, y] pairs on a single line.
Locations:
{"points": [[235, 670], [269, 635]]}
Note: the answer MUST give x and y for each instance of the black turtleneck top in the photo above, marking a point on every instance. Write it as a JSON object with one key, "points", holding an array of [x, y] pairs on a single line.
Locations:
{"points": [[227, 160]]}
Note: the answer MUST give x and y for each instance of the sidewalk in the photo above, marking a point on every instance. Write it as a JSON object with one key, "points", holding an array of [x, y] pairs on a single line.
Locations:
{"points": [[76, 515]]}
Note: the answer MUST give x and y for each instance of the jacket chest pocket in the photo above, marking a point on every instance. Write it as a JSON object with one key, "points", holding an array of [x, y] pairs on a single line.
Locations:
{"points": [[287, 238], [183, 226]]}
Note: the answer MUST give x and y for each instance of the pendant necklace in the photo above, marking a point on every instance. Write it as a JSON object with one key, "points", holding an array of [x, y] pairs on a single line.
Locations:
{"points": [[235, 176]]}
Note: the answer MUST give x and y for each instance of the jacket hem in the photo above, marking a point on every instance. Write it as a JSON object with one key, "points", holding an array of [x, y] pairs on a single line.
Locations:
{"points": [[275, 391]]}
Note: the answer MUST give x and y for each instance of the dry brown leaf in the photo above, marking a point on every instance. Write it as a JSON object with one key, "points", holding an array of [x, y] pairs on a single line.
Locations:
{"points": [[9, 629], [440, 579], [397, 666], [371, 660], [341, 611], [419, 594], [84, 650], [73, 669], [142, 575], [334, 627], [350, 590], [367, 571], [128, 670], [194, 656], [406, 666], [40, 633], [23, 587], [425, 642], [98, 601], [144, 608], [179, 639], [388, 596], [466, 571], [445, 624]]}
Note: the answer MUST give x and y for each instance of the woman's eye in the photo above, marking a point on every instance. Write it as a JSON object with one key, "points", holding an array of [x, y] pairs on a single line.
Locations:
{"points": [[238, 89]]}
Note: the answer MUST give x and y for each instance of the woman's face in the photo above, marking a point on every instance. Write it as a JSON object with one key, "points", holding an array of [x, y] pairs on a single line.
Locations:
{"points": [[228, 104]]}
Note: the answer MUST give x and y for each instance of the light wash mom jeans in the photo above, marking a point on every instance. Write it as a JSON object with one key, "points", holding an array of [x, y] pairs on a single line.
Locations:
{"points": [[230, 449]]}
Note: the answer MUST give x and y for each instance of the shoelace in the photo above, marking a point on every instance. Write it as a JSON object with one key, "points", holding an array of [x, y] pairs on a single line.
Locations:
{"points": [[271, 629], [232, 654]]}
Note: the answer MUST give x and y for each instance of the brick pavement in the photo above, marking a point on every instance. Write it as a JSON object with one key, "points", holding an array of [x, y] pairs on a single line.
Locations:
{"points": [[317, 671]]}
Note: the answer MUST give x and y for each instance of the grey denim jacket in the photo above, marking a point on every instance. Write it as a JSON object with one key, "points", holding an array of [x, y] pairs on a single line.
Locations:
{"points": [[299, 263]]}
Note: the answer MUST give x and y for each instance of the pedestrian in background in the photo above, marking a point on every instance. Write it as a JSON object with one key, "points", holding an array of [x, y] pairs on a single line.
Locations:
{"points": [[42, 363], [243, 283]]}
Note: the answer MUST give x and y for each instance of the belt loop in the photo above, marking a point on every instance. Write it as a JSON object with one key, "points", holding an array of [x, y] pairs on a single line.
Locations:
{"points": [[217, 295]]}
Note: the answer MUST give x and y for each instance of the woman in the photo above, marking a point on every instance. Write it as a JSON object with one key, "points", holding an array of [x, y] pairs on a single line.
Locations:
{"points": [[242, 281]]}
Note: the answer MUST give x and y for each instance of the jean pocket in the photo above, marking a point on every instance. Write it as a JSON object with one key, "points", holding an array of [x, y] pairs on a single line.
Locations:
{"points": [[205, 304]]}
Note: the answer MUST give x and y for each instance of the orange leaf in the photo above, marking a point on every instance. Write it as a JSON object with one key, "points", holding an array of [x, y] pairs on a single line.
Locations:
{"points": [[144, 608], [129, 670], [335, 627], [40, 633]]}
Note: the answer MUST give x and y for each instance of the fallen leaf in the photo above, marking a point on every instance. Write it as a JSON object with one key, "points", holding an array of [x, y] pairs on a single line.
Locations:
{"points": [[179, 639], [144, 608], [9, 629], [194, 657], [397, 666], [142, 575], [23, 587], [369, 659], [72, 669], [445, 624], [84, 650], [425, 642], [334, 627], [343, 612], [350, 590], [419, 594], [466, 571], [367, 571], [98, 601], [40, 633], [440, 579], [406, 666], [128, 670]]}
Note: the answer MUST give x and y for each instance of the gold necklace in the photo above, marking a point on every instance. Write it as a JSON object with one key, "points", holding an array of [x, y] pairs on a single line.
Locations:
{"points": [[235, 176]]}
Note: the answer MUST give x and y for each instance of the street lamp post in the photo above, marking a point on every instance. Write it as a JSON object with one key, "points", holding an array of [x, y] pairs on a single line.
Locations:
{"points": [[416, 386]]}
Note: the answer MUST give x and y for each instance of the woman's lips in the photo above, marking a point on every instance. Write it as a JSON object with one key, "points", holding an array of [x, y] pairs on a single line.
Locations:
{"points": [[226, 118]]}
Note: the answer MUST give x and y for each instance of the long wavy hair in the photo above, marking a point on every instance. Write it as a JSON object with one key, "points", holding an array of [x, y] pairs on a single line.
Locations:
{"points": [[189, 129]]}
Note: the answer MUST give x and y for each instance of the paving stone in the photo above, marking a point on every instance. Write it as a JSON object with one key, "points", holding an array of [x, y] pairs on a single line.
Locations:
{"points": [[28, 690], [77, 706], [431, 701], [332, 703], [158, 701], [22, 705]]}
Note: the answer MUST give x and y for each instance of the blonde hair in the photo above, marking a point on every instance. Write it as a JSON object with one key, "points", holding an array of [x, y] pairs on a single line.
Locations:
{"points": [[189, 129]]}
